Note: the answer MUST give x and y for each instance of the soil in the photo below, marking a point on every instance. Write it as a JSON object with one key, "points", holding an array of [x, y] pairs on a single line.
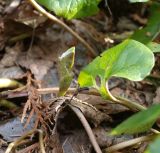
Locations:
{"points": [[30, 45]]}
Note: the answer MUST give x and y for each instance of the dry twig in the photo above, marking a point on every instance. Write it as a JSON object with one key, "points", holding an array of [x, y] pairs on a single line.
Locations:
{"points": [[87, 128], [129, 143], [18, 141], [55, 19]]}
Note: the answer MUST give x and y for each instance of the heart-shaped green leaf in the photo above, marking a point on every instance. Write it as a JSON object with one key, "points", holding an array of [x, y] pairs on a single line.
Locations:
{"points": [[130, 59], [66, 61], [72, 8], [154, 147], [140, 122]]}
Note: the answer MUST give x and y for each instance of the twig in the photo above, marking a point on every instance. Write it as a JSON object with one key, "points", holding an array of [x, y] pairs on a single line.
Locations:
{"points": [[19, 37], [54, 90], [41, 143], [125, 102], [87, 128], [16, 143], [128, 143], [27, 149], [55, 19], [120, 100]]}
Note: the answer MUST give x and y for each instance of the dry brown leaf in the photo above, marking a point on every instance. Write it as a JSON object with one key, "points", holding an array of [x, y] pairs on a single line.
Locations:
{"points": [[38, 67], [13, 72]]}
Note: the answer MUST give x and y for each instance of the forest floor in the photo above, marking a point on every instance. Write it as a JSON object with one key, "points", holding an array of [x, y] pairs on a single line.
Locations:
{"points": [[30, 45]]}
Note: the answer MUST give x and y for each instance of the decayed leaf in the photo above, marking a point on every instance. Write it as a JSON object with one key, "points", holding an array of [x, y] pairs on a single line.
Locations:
{"points": [[12, 128], [125, 60], [72, 8], [38, 67], [140, 122], [90, 112], [66, 61], [13, 72]]}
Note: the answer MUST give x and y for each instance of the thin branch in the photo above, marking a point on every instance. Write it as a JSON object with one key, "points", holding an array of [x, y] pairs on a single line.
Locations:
{"points": [[129, 143], [122, 101], [55, 19], [27, 149], [87, 128], [134, 106], [18, 141], [41, 143], [15, 143], [54, 90]]}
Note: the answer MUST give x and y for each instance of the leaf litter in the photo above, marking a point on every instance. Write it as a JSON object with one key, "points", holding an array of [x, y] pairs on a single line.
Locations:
{"points": [[29, 54]]}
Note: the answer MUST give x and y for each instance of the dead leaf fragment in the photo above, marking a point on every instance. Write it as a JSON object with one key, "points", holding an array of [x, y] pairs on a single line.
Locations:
{"points": [[38, 67]]}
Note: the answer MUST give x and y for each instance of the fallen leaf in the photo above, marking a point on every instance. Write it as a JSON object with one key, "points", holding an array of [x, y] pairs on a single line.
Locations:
{"points": [[38, 67]]}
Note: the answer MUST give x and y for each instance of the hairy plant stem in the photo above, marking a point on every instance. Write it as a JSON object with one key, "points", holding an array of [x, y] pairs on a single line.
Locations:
{"points": [[125, 102], [55, 19], [132, 105]]}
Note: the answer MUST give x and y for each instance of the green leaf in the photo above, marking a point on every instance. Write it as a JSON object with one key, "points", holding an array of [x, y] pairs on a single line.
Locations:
{"points": [[130, 59], [154, 147], [66, 61], [71, 8], [134, 1], [151, 31], [154, 47], [140, 122]]}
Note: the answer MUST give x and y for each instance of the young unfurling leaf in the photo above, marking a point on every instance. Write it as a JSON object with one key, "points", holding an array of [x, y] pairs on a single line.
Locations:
{"points": [[66, 61]]}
